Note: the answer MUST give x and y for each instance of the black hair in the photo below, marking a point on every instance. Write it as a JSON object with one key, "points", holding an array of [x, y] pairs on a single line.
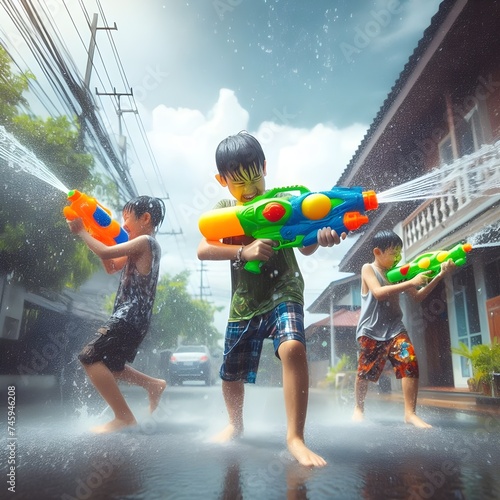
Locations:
{"points": [[147, 204], [386, 239], [236, 151]]}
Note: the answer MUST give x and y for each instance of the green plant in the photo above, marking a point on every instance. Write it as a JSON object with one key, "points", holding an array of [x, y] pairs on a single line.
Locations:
{"points": [[484, 360], [342, 365]]}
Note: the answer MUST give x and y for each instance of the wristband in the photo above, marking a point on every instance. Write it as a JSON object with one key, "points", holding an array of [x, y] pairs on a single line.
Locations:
{"points": [[239, 262]]}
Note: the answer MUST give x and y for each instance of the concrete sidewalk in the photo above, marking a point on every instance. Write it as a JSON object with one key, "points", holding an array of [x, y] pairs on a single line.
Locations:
{"points": [[450, 398]]}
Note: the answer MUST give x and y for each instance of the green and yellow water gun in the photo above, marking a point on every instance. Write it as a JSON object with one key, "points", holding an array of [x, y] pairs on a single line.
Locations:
{"points": [[429, 262]]}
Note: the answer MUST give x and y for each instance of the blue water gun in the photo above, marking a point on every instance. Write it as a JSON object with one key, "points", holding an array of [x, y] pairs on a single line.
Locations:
{"points": [[292, 221]]}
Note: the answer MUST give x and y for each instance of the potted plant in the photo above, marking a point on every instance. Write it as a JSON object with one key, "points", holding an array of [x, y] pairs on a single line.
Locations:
{"points": [[485, 364], [466, 352], [342, 365]]}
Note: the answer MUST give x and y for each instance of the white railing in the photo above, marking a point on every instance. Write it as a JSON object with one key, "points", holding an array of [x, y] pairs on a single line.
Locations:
{"points": [[466, 187]]}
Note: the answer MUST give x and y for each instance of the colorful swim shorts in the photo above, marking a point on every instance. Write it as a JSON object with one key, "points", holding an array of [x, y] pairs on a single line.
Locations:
{"points": [[374, 353]]}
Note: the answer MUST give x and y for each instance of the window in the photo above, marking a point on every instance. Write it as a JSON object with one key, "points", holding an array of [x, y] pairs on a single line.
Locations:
{"points": [[445, 150], [491, 274], [469, 136], [467, 313]]}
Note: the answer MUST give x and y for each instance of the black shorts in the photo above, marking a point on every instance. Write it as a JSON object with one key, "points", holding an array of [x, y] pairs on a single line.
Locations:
{"points": [[115, 344]]}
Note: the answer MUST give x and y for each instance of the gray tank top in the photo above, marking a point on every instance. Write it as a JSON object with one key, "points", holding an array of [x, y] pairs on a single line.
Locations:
{"points": [[380, 319]]}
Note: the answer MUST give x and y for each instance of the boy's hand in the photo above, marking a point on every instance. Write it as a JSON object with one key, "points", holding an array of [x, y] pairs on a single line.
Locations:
{"points": [[258, 250], [327, 237], [421, 279], [447, 267], [76, 226]]}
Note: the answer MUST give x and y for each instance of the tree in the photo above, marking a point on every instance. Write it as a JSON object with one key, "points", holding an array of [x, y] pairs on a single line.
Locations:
{"points": [[12, 87], [36, 247], [178, 315]]}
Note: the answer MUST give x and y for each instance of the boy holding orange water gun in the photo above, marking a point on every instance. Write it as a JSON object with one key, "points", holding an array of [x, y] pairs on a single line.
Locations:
{"points": [[138, 258]]}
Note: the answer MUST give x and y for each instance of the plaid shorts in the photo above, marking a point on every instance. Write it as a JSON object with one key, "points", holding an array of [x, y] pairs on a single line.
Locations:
{"points": [[374, 353], [244, 339]]}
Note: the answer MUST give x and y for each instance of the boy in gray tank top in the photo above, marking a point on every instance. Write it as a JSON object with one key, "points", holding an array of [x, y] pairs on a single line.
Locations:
{"points": [[381, 334]]}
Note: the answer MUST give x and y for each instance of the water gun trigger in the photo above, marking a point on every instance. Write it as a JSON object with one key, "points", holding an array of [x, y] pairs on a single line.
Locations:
{"points": [[69, 213], [296, 242]]}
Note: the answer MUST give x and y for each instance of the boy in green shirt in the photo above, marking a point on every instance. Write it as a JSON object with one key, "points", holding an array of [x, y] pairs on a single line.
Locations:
{"points": [[265, 305]]}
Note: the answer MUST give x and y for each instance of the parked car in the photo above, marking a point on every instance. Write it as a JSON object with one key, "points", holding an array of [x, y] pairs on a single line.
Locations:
{"points": [[194, 362]]}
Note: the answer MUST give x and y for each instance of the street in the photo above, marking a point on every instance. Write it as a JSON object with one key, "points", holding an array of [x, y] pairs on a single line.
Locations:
{"points": [[169, 456]]}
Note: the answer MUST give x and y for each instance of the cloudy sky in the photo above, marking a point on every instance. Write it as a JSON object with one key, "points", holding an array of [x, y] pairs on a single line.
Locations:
{"points": [[305, 77]]}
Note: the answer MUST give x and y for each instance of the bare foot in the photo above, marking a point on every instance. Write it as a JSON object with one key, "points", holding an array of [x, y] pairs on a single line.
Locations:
{"points": [[228, 434], [413, 419], [304, 455], [358, 415], [113, 426], [155, 391]]}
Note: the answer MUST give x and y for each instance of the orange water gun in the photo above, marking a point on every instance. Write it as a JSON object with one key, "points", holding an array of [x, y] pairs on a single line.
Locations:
{"points": [[96, 218]]}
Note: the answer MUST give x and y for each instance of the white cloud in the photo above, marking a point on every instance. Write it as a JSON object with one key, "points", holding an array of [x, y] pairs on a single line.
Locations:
{"points": [[184, 142]]}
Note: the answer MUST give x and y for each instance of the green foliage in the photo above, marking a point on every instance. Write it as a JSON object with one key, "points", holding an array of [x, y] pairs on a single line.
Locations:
{"points": [[344, 364], [36, 247], [12, 87], [484, 360], [177, 315]]}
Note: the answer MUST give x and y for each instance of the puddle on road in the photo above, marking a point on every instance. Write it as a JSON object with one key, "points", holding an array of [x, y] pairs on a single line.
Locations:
{"points": [[170, 456]]}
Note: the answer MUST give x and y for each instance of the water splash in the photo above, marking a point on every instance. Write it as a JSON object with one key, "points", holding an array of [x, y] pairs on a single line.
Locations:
{"points": [[488, 236], [471, 176], [22, 159]]}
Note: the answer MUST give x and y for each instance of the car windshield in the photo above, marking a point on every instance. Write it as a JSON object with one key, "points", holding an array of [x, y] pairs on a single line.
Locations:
{"points": [[188, 348]]}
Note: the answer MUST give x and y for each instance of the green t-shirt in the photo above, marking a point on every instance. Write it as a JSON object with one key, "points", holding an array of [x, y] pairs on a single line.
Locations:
{"points": [[280, 281]]}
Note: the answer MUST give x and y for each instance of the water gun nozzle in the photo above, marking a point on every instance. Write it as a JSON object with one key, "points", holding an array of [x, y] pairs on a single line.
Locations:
{"points": [[370, 199], [73, 194], [467, 247]]}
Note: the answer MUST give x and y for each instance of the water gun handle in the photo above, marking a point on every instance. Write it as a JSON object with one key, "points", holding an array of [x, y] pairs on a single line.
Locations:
{"points": [[253, 266]]}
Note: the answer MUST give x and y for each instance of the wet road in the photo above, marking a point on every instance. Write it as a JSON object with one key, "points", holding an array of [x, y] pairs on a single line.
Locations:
{"points": [[169, 457]]}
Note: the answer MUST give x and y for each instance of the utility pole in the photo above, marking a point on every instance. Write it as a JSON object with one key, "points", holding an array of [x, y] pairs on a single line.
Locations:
{"points": [[202, 287], [332, 335], [88, 116], [86, 108], [90, 58], [122, 140]]}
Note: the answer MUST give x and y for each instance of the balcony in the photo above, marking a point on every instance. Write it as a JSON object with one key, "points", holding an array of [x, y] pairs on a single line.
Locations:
{"points": [[469, 187]]}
